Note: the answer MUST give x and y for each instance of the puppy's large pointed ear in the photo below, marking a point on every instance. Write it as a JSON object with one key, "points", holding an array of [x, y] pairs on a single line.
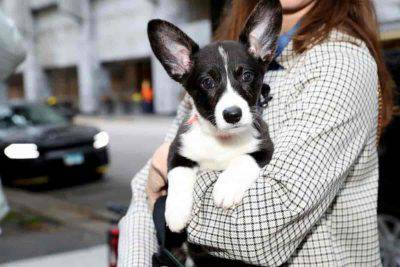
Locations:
{"points": [[173, 48], [262, 28]]}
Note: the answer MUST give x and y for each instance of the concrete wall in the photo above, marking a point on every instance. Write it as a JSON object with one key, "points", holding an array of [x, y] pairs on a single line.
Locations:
{"points": [[59, 35], [121, 28], [388, 12], [57, 39]]}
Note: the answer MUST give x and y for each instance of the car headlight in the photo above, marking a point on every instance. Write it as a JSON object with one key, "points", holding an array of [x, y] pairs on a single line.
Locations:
{"points": [[21, 151], [101, 140]]}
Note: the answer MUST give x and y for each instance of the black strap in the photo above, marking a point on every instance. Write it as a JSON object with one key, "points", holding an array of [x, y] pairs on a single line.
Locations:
{"points": [[264, 97], [166, 239], [274, 65], [159, 220]]}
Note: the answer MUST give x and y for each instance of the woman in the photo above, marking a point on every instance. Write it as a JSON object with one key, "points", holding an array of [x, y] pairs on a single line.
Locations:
{"points": [[315, 202]]}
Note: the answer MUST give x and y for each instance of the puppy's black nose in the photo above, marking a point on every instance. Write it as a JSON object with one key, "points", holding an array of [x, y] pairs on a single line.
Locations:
{"points": [[232, 114]]}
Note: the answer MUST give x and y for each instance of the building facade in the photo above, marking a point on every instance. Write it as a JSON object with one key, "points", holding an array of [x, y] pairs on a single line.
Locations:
{"points": [[85, 51], [92, 51]]}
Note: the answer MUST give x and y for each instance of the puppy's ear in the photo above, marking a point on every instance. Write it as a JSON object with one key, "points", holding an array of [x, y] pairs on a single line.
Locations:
{"points": [[262, 28], [173, 48]]}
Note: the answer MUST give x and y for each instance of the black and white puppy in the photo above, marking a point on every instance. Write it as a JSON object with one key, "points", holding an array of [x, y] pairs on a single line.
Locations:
{"points": [[225, 131]]}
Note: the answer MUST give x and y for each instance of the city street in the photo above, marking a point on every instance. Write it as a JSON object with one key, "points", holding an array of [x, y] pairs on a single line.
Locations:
{"points": [[132, 142], [75, 218]]}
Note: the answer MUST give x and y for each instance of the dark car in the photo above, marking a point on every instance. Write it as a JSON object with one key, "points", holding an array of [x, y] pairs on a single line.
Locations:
{"points": [[39, 146]]}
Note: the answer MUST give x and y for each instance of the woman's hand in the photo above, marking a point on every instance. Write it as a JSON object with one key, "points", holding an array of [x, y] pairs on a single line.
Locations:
{"points": [[157, 179]]}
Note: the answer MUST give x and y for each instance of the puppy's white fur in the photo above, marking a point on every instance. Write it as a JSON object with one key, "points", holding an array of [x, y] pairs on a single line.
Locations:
{"points": [[180, 197], [257, 47], [212, 153], [232, 184], [200, 144], [182, 57]]}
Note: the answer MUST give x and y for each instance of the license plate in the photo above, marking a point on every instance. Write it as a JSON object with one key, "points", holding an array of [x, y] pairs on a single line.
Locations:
{"points": [[72, 159]]}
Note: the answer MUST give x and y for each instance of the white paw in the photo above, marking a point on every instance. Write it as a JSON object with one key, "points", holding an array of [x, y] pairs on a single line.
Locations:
{"points": [[232, 185], [177, 212], [178, 206], [228, 190]]}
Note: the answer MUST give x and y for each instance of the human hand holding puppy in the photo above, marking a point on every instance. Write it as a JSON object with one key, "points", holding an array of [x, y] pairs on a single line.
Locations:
{"points": [[157, 177]]}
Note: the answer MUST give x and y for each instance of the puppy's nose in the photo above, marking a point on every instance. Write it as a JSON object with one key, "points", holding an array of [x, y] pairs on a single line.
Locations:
{"points": [[232, 114]]}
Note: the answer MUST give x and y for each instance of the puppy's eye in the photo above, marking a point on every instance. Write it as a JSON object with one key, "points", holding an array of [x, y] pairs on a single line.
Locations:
{"points": [[247, 76], [207, 83]]}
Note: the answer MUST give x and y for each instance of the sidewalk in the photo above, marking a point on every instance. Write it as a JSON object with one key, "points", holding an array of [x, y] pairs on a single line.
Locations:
{"points": [[94, 256], [41, 225], [68, 213]]}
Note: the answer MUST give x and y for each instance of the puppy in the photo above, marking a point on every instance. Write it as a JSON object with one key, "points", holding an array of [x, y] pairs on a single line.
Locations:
{"points": [[225, 131]]}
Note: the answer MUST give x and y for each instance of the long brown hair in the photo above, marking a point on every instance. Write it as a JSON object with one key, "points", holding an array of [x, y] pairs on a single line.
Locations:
{"points": [[355, 17]]}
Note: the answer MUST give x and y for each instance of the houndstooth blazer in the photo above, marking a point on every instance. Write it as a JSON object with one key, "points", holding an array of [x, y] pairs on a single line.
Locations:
{"points": [[315, 203]]}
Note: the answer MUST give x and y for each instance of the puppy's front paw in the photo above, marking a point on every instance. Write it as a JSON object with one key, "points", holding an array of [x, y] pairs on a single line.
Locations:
{"points": [[228, 190], [231, 187], [177, 212]]}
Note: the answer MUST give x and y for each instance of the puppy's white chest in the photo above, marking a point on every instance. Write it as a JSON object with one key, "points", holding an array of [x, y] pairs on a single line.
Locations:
{"points": [[212, 153]]}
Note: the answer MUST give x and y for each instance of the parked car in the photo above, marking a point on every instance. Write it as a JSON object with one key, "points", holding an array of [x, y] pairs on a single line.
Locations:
{"points": [[39, 146]]}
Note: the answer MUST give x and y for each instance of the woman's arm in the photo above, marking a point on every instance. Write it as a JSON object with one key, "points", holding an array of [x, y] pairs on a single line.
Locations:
{"points": [[137, 241], [327, 125]]}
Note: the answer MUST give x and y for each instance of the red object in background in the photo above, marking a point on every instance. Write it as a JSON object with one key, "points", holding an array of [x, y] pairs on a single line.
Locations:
{"points": [[113, 232], [113, 235]]}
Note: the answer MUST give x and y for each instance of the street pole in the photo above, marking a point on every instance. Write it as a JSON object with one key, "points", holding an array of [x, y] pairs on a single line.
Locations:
{"points": [[36, 85], [87, 62], [166, 90]]}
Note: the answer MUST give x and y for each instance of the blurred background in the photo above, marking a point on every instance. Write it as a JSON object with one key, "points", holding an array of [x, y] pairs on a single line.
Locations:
{"points": [[88, 106]]}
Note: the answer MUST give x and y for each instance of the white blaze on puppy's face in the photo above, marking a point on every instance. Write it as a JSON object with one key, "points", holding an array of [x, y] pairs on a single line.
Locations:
{"points": [[231, 98]]}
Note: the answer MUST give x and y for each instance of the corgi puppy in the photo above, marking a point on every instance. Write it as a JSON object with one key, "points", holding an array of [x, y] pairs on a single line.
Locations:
{"points": [[225, 131]]}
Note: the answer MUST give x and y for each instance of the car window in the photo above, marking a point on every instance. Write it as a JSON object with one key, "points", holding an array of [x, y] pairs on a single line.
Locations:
{"points": [[5, 117], [30, 115]]}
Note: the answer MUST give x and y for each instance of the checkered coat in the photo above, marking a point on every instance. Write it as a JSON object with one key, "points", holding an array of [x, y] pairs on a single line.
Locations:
{"points": [[315, 203]]}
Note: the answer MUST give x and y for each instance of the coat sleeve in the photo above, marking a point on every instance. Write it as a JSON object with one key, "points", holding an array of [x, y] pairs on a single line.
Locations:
{"points": [[137, 241], [325, 128]]}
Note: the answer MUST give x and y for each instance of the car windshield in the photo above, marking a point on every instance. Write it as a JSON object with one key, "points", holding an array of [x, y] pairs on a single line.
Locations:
{"points": [[29, 115]]}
